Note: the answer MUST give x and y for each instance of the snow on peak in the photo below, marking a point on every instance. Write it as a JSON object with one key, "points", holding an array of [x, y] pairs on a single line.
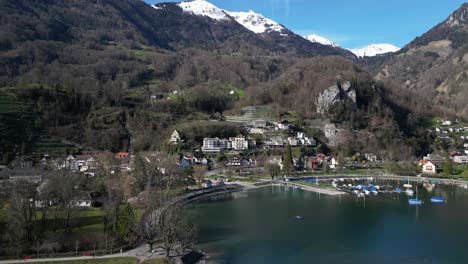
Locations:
{"points": [[321, 40], [203, 8], [374, 49], [256, 22]]}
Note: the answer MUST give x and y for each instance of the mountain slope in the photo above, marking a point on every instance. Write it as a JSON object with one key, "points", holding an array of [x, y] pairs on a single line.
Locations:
{"points": [[268, 34], [432, 68]]}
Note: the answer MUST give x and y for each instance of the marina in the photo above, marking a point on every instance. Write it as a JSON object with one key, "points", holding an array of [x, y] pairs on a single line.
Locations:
{"points": [[260, 225]]}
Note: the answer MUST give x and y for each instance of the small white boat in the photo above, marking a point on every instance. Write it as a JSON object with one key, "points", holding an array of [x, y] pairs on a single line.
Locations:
{"points": [[407, 185], [409, 192], [415, 201]]}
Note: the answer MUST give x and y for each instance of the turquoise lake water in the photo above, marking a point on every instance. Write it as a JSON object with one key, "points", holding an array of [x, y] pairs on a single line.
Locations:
{"points": [[260, 226]]}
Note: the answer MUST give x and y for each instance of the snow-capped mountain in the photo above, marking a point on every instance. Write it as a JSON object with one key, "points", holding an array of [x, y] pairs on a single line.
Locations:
{"points": [[368, 51], [204, 8], [374, 49], [321, 40], [252, 21], [256, 22]]}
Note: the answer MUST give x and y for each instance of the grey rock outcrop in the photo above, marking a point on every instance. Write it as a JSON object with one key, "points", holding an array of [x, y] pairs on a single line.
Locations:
{"points": [[335, 94]]}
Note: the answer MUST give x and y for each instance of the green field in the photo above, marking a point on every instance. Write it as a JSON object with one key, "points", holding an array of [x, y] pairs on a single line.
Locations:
{"points": [[126, 260]]}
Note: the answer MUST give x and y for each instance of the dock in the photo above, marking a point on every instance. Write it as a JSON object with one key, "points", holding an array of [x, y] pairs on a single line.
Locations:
{"points": [[317, 189]]}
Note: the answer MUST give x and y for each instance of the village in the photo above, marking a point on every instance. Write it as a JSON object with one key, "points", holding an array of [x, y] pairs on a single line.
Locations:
{"points": [[451, 139]]}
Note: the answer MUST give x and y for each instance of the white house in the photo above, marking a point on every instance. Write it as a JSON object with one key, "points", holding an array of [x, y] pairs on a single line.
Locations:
{"points": [[429, 168], [332, 163], [446, 123], [175, 137]]}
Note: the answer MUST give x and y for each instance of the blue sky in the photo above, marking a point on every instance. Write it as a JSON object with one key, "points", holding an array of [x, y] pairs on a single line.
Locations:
{"points": [[351, 23]]}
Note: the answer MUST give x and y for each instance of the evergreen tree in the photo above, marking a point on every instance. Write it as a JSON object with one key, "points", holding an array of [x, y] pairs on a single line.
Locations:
{"points": [[448, 166], [126, 221], [288, 164]]}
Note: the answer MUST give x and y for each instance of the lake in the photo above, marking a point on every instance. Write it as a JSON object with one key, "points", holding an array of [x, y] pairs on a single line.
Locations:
{"points": [[260, 226]]}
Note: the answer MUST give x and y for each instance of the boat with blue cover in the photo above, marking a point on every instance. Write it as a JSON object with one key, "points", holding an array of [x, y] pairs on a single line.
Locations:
{"points": [[438, 200], [415, 201]]}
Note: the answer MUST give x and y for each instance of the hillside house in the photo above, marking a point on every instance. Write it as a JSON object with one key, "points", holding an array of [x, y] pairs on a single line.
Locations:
{"points": [[460, 159], [235, 161], [428, 167], [22, 163], [175, 137]]}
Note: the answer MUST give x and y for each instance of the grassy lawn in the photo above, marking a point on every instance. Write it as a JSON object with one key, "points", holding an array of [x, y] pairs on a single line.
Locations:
{"points": [[123, 260], [313, 184]]}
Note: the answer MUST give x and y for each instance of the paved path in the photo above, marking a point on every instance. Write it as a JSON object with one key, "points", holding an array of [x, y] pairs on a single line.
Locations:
{"points": [[318, 189]]}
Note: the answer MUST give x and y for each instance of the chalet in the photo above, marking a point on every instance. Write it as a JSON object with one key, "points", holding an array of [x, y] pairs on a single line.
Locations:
{"points": [[175, 137], [84, 201], [332, 163], [283, 125], [370, 157], [428, 167]]}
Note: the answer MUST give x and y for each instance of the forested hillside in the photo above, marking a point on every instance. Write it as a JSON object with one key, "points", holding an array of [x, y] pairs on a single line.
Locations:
{"points": [[108, 74]]}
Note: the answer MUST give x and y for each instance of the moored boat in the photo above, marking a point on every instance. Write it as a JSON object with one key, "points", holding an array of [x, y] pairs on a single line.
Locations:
{"points": [[438, 200], [409, 192], [414, 201]]}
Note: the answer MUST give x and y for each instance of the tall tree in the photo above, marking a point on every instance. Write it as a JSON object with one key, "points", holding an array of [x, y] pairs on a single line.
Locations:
{"points": [[288, 163], [273, 169]]}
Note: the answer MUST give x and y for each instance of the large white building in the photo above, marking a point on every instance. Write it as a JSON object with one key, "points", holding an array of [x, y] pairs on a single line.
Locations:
{"points": [[215, 145], [239, 143]]}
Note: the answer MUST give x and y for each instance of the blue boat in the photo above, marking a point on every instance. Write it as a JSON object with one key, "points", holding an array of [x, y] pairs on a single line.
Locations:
{"points": [[374, 190], [414, 201], [398, 190], [438, 200]]}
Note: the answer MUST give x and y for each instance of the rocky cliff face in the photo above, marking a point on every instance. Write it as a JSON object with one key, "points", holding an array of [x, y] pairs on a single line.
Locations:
{"points": [[338, 93]]}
